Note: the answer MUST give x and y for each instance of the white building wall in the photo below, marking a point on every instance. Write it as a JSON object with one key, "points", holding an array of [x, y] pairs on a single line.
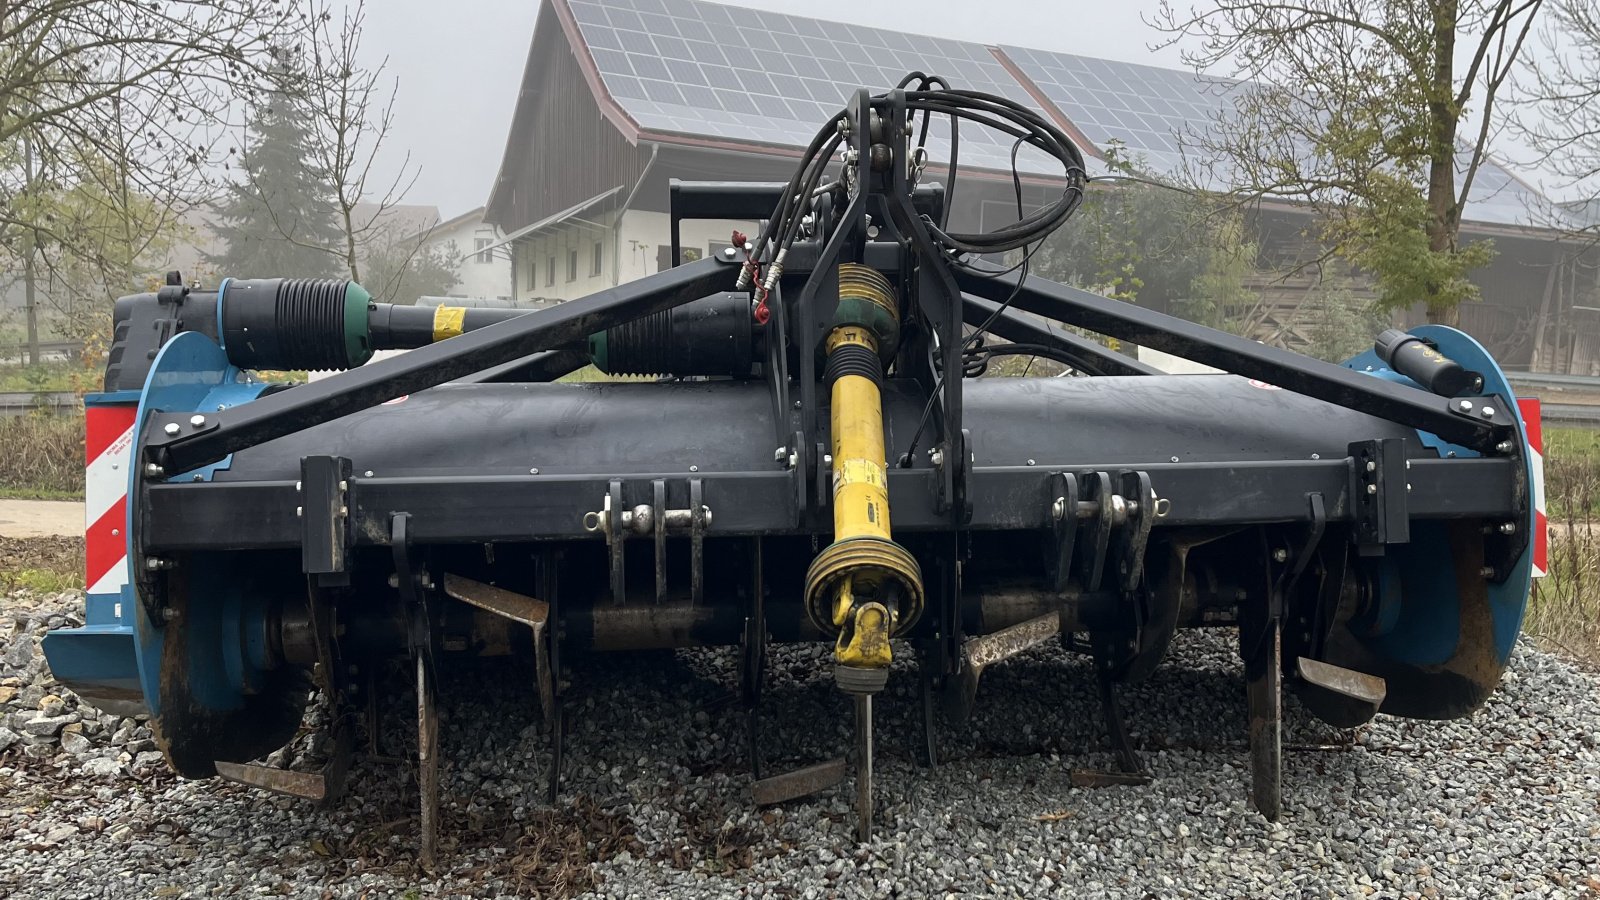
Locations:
{"points": [[481, 277], [547, 270]]}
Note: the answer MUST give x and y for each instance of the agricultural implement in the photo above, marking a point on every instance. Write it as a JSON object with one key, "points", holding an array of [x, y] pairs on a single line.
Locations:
{"points": [[817, 461]]}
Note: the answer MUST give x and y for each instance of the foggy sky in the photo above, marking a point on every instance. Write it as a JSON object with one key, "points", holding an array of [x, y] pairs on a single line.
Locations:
{"points": [[460, 65]]}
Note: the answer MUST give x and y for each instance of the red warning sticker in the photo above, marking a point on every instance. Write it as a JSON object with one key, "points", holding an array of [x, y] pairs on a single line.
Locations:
{"points": [[1257, 383]]}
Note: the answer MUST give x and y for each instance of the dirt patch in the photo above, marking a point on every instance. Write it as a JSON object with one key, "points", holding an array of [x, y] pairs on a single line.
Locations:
{"points": [[46, 563]]}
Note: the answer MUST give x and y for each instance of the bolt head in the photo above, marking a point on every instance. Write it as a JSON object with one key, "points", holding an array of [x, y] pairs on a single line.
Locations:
{"points": [[694, 468], [1030, 462], [1372, 489], [728, 252], [1372, 466], [151, 470], [168, 614], [1503, 447], [780, 454], [367, 474], [1486, 572], [171, 429], [197, 420], [534, 470], [1280, 554], [1487, 412], [1464, 405], [1058, 509], [1508, 528]]}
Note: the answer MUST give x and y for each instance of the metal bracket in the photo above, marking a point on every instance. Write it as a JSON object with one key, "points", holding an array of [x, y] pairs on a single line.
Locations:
{"points": [[616, 521], [1092, 560], [612, 511], [1135, 537], [658, 492], [699, 517], [324, 514], [1378, 489], [1064, 527]]}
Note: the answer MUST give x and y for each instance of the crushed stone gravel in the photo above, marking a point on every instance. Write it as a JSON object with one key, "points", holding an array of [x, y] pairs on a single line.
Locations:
{"points": [[655, 797]]}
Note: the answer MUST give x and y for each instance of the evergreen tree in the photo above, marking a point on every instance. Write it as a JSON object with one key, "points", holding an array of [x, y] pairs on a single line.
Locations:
{"points": [[278, 220]]}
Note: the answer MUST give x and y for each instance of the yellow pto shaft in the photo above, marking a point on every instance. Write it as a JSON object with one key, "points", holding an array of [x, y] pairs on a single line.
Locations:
{"points": [[863, 585]]}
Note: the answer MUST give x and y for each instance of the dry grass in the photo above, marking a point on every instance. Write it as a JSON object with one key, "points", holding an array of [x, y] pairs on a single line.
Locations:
{"points": [[41, 455], [1565, 608]]}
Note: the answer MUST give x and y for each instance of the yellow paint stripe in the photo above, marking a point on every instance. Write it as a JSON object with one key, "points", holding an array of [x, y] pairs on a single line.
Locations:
{"points": [[447, 321]]}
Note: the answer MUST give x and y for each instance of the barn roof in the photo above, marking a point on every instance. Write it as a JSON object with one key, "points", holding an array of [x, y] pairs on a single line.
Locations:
{"points": [[731, 77]]}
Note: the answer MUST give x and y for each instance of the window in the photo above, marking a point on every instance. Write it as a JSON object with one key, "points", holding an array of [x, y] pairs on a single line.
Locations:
{"points": [[572, 265], [599, 256], [533, 273], [478, 244], [550, 272]]}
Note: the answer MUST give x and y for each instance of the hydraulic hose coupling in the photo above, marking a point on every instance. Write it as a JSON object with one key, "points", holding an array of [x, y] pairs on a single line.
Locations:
{"points": [[863, 587]]}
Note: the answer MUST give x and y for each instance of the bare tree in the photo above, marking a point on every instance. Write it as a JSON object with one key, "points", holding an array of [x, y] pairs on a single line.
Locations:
{"points": [[1558, 113], [109, 111], [1361, 111], [351, 108]]}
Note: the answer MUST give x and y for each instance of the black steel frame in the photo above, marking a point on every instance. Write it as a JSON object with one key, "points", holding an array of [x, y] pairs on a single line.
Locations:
{"points": [[952, 496]]}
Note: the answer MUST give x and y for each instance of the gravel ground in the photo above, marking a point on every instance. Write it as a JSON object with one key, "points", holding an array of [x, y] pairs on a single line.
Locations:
{"points": [[656, 793]]}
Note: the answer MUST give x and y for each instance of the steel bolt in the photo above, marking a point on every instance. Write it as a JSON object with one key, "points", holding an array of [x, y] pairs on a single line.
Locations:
{"points": [[1372, 489], [780, 454], [197, 420], [936, 456], [1058, 509], [1030, 462], [367, 474], [1372, 466], [1508, 528], [198, 477], [793, 459], [299, 511], [156, 564], [151, 470], [728, 252], [171, 429], [1486, 572], [1487, 412], [1503, 447], [1281, 555], [168, 614], [1174, 459], [827, 459], [694, 468], [1464, 405], [534, 470], [1316, 456]]}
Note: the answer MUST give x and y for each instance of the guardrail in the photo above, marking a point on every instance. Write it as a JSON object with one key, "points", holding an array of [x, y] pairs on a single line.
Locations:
{"points": [[19, 403], [48, 350]]}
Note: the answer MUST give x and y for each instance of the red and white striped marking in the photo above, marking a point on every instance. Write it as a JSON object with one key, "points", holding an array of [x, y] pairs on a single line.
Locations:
{"points": [[1541, 525], [108, 446]]}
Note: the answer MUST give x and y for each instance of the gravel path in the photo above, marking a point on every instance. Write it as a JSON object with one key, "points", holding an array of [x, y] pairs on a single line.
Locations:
{"points": [[1506, 804]]}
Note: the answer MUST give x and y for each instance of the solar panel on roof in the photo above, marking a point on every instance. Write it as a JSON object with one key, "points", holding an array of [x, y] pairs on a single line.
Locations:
{"points": [[689, 66], [780, 75]]}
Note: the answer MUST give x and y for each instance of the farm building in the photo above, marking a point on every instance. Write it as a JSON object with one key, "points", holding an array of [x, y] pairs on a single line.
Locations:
{"points": [[621, 96]]}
